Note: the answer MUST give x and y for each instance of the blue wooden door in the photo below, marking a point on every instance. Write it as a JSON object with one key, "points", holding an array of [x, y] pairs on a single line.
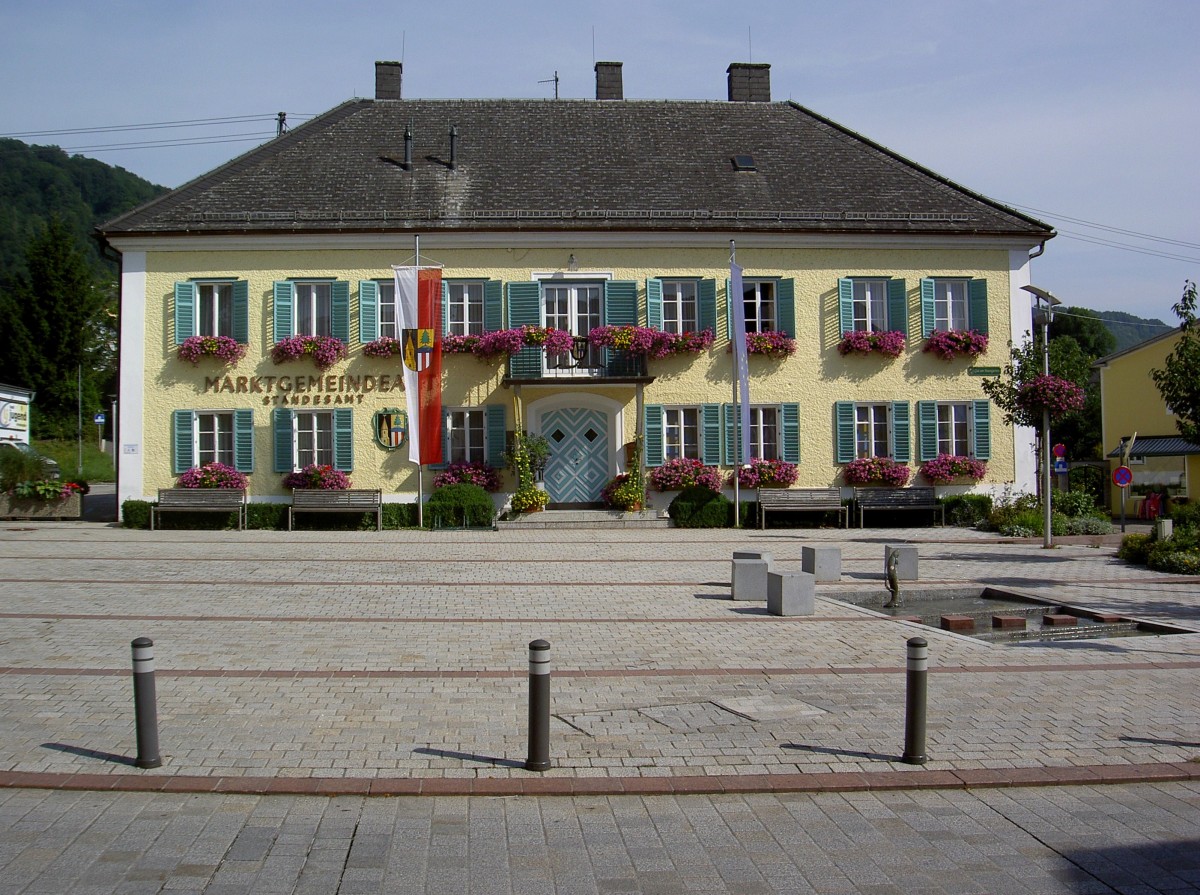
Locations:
{"points": [[578, 466]]}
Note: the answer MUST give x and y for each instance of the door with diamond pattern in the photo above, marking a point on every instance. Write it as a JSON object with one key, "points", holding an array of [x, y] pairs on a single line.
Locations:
{"points": [[578, 466]]}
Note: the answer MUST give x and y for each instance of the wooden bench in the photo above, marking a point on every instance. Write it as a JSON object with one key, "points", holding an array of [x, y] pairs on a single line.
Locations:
{"points": [[351, 500], [201, 500], [896, 499], [801, 500]]}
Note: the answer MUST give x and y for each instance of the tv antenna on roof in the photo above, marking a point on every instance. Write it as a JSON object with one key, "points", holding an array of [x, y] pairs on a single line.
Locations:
{"points": [[555, 80]]}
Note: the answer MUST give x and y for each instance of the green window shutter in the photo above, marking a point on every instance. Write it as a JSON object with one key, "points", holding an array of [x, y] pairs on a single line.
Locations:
{"points": [[243, 440], [654, 303], [282, 308], [241, 312], [926, 308], [706, 301], [281, 435], [493, 306], [901, 432], [785, 306], [343, 439], [494, 426], [445, 442], [730, 425], [728, 310], [982, 433], [185, 311], [845, 306], [525, 309], [654, 434], [927, 430], [843, 413], [368, 311], [977, 306], [710, 434], [789, 433], [445, 307], [620, 303], [339, 317], [897, 306], [181, 423]]}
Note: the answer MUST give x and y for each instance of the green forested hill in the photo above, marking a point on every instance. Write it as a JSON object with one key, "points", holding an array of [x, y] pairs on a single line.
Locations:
{"points": [[1131, 329], [38, 182]]}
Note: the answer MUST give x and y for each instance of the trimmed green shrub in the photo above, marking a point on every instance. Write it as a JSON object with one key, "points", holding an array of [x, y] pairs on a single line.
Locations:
{"points": [[1135, 548], [967, 510], [1088, 525], [135, 514], [399, 515], [1170, 556], [268, 516], [700, 507], [461, 504], [1074, 503]]}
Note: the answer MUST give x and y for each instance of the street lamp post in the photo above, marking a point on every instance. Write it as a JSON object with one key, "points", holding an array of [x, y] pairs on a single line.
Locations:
{"points": [[1047, 316]]}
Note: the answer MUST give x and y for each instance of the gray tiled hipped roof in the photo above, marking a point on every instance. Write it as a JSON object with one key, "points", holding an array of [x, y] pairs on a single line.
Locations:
{"points": [[573, 165]]}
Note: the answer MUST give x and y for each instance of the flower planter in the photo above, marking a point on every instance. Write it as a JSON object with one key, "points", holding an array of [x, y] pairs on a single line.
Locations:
{"points": [[66, 508]]}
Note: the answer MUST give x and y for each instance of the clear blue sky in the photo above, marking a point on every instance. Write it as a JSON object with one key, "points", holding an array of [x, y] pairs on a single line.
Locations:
{"points": [[1081, 112]]}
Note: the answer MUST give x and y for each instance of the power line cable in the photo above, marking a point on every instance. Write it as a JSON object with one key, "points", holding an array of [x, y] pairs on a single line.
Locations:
{"points": [[159, 125], [1111, 229]]}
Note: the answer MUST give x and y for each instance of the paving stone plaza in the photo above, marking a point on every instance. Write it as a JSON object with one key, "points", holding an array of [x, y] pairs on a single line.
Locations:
{"points": [[344, 711]]}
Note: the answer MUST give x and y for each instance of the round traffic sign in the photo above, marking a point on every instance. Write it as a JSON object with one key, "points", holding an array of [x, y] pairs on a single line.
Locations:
{"points": [[1060, 450], [1122, 476]]}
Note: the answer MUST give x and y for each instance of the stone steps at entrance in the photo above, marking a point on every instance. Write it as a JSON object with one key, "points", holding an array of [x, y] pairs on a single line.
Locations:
{"points": [[563, 519]]}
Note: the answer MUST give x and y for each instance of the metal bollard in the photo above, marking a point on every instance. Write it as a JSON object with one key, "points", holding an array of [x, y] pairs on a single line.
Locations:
{"points": [[915, 701], [539, 706], [144, 709]]}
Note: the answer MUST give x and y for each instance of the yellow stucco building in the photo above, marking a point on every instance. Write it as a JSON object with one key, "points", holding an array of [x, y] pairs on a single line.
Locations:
{"points": [[572, 215], [1131, 405]]}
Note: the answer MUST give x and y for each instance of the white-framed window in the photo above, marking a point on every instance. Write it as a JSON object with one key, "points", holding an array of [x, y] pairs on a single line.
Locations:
{"points": [[214, 309], [951, 304], [464, 308], [466, 436], [869, 305], [764, 433], [872, 430], [389, 324], [577, 308], [313, 438], [680, 306], [758, 298], [681, 433], [954, 429], [314, 309], [213, 438]]}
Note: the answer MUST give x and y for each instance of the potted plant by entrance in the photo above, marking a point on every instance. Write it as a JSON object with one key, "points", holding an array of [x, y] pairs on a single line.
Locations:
{"points": [[527, 459]]}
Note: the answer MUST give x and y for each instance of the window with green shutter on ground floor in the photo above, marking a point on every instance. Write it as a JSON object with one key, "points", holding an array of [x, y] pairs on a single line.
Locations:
{"points": [[872, 429], [474, 435], [213, 436], [958, 428], [306, 437]]}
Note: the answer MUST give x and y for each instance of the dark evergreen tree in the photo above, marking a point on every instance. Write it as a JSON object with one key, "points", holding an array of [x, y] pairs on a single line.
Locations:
{"points": [[1086, 328], [56, 323]]}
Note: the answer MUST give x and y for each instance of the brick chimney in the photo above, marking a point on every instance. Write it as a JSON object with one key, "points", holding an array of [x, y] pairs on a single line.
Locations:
{"points": [[608, 81], [749, 82], [387, 79]]}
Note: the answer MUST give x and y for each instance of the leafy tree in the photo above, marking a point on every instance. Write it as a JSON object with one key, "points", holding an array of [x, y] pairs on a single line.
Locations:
{"points": [[1086, 328], [57, 330], [1080, 429], [1179, 381]]}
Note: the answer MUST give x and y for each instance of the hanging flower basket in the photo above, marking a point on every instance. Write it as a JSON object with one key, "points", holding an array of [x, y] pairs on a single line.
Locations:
{"points": [[889, 344], [876, 471], [947, 469], [196, 348], [768, 474], [1059, 396], [324, 350], [951, 343]]}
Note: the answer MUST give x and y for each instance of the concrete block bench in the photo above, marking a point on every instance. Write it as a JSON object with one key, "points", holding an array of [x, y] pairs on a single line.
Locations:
{"points": [[749, 575], [791, 593], [824, 562]]}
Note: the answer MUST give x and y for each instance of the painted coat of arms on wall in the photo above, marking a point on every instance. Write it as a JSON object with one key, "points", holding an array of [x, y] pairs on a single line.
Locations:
{"points": [[391, 428]]}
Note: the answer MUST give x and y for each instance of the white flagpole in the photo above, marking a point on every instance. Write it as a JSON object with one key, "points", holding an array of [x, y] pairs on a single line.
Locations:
{"points": [[420, 469], [737, 441]]}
